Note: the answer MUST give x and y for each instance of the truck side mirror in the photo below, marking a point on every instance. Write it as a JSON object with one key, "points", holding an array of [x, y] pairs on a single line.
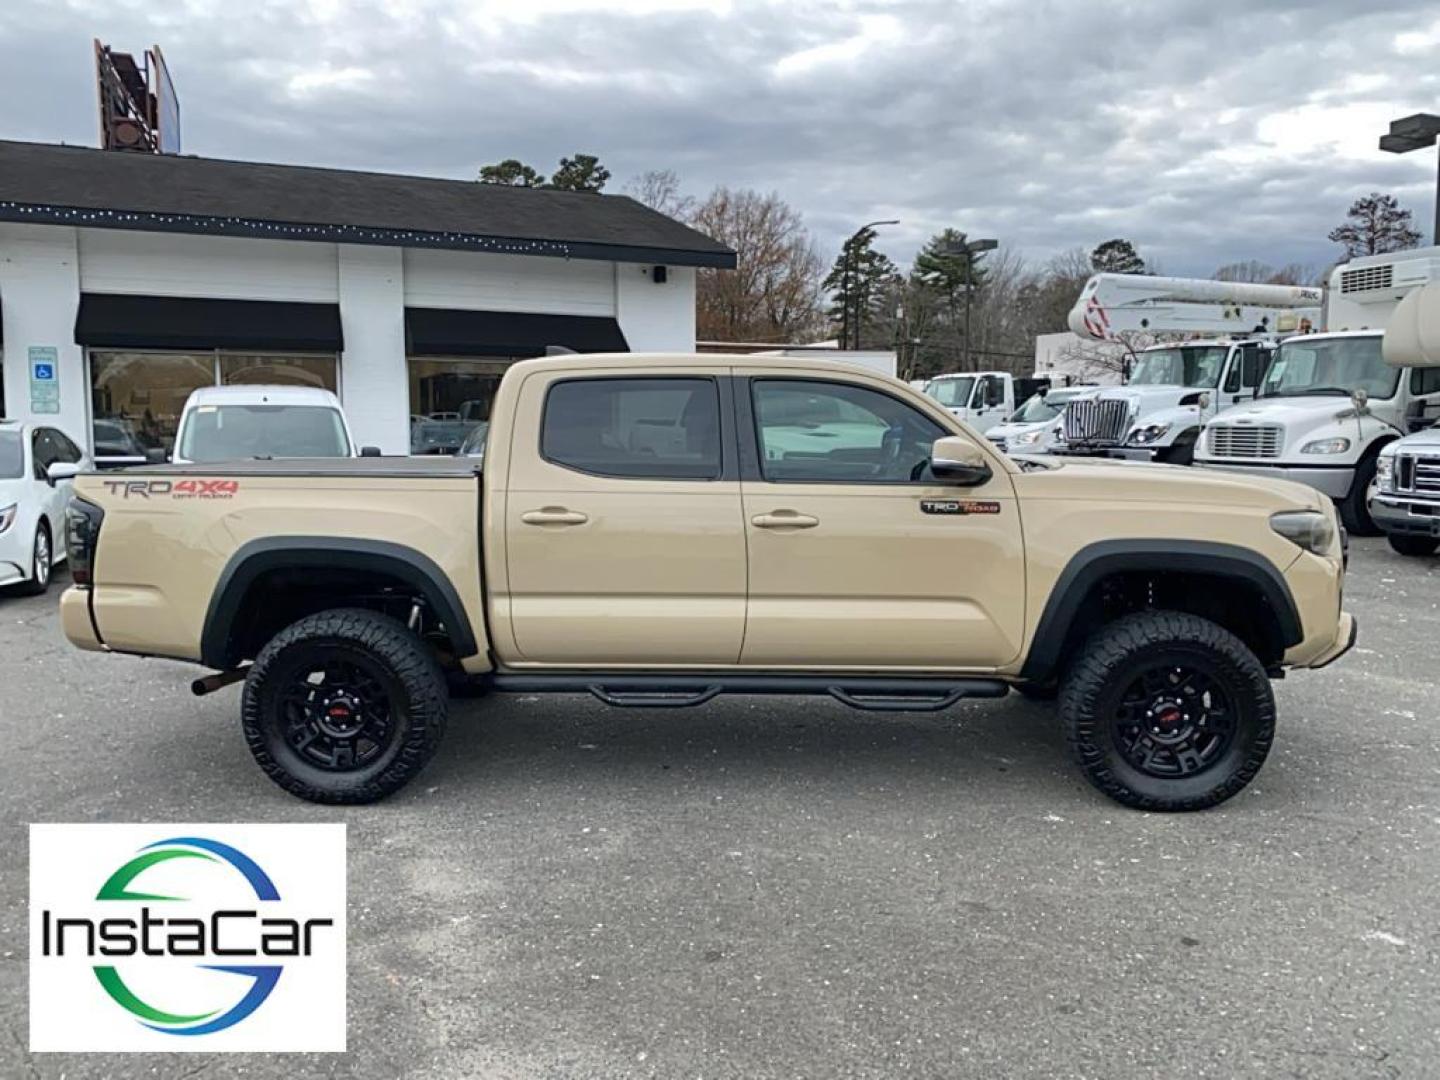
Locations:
{"points": [[959, 461]]}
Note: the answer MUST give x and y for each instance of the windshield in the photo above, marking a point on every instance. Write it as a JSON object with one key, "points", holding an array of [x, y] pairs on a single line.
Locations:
{"points": [[1181, 366], [1330, 366], [952, 393], [231, 432], [12, 456], [1042, 407]]}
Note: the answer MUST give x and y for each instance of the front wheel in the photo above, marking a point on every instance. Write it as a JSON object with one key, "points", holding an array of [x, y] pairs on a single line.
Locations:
{"points": [[345, 706], [42, 563], [1355, 506], [1168, 711], [1413, 545]]}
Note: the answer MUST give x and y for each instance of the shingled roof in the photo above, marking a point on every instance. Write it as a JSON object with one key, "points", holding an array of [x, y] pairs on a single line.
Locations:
{"points": [[172, 193]]}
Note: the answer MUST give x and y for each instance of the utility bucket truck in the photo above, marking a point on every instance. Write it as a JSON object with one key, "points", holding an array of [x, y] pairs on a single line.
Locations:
{"points": [[1174, 388], [1329, 404]]}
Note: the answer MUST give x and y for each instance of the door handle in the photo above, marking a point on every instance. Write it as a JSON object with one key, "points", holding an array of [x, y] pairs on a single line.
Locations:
{"points": [[784, 519], [554, 515]]}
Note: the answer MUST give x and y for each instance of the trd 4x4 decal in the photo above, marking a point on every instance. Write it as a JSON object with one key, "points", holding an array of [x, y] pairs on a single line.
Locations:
{"points": [[174, 489], [958, 506]]}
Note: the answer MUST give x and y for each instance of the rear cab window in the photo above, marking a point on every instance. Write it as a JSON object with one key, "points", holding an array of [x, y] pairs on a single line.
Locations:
{"points": [[662, 428]]}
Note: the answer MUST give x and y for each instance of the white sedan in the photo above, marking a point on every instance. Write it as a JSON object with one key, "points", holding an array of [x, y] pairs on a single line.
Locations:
{"points": [[37, 465]]}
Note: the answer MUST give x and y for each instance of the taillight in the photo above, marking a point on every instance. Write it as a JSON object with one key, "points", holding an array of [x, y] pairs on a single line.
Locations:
{"points": [[82, 530]]}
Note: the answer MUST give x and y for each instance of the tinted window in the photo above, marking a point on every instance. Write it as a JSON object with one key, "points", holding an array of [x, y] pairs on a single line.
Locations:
{"points": [[46, 451], [838, 432], [12, 456], [232, 432], [1425, 380], [644, 429], [67, 450]]}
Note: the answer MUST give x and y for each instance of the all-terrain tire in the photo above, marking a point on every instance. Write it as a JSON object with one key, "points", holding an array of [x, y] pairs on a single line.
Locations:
{"points": [[1413, 545], [1155, 645], [1354, 509], [409, 686], [42, 562]]}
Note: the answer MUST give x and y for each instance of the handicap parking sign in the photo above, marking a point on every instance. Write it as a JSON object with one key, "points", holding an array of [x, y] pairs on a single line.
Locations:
{"points": [[44, 379]]}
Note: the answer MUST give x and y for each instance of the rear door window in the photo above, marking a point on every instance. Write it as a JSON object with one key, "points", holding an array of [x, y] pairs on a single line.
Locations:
{"points": [[634, 428]]}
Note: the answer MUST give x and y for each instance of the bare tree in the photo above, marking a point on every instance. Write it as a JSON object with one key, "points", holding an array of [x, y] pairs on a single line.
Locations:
{"points": [[1255, 271], [659, 189], [774, 293]]}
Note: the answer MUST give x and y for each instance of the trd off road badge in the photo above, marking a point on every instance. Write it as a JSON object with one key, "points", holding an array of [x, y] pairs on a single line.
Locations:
{"points": [[958, 506], [199, 938]]}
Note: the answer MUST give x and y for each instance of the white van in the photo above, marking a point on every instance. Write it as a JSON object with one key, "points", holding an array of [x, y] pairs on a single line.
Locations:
{"points": [[229, 423]]}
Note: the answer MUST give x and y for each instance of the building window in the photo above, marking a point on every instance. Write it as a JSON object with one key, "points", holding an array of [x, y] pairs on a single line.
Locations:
{"points": [[449, 398], [137, 397]]}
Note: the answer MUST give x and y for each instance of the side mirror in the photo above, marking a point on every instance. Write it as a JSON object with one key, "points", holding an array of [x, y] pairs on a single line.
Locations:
{"points": [[959, 461], [61, 470], [155, 455], [1360, 397], [369, 451]]}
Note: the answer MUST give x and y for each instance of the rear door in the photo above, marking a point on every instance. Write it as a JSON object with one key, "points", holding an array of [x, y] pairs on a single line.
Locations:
{"points": [[623, 533], [858, 556]]}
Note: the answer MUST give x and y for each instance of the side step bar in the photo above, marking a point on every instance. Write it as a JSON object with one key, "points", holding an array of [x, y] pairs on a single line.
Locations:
{"points": [[874, 694]]}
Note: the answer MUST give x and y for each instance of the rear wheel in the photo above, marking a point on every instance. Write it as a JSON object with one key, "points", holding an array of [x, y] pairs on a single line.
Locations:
{"points": [[345, 706], [1168, 711], [1413, 545], [1354, 507], [42, 562]]}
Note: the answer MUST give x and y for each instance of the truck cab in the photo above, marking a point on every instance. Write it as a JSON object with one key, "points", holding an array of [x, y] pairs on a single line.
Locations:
{"points": [[1172, 391], [983, 399]]}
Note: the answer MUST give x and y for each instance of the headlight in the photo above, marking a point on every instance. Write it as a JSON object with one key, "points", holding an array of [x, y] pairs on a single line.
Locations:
{"points": [[1309, 529], [7, 516], [1385, 470], [1326, 446], [1147, 434]]}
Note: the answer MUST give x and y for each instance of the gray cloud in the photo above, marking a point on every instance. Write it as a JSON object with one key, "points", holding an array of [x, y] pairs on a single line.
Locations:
{"points": [[1207, 132]]}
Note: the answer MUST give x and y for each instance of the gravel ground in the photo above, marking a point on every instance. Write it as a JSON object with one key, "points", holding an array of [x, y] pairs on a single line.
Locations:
{"points": [[772, 887]]}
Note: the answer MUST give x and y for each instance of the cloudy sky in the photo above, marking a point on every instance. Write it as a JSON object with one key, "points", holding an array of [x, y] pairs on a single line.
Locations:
{"points": [[1207, 131]]}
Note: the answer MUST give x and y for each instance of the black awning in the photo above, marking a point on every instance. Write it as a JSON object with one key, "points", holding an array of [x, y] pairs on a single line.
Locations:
{"points": [[450, 332], [176, 322]]}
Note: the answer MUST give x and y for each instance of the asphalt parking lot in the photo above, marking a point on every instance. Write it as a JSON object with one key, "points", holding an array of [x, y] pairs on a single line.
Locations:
{"points": [[767, 887]]}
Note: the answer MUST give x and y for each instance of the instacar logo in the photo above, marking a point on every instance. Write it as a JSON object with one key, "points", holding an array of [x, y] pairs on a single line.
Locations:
{"points": [[189, 938]]}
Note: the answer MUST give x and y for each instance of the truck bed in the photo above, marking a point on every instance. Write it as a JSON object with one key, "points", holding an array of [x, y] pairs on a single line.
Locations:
{"points": [[433, 466]]}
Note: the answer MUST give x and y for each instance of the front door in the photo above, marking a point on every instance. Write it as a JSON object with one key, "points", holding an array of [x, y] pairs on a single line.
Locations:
{"points": [[623, 532], [858, 556]]}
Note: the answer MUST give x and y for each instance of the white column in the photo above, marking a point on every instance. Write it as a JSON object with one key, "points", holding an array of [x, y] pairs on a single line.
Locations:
{"points": [[39, 293], [374, 385], [656, 318]]}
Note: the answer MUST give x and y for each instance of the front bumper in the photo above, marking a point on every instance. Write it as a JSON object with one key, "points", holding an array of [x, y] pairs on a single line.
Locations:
{"points": [[1116, 453], [1346, 631], [1334, 482], [1410, 517]]}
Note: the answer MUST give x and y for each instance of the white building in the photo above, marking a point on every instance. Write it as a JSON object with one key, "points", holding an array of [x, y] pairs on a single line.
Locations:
{"points": [[128, 280]]}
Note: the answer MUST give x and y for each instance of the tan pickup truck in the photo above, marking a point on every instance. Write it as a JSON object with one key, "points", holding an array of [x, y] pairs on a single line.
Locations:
{"points": [[658, 530]]}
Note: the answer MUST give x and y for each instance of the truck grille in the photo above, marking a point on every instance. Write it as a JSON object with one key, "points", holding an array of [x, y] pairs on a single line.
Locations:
{"points": [[1099, 420], [1244, 440], [1417, 475], [1366, 278]]}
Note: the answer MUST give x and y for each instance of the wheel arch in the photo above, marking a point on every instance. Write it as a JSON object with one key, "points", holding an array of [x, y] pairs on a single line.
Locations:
{"points": [[250, 565], [1070, 611]]}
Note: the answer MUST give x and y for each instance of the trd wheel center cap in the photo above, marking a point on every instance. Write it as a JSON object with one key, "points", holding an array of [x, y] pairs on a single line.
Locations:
{"points": [[340, 716]]}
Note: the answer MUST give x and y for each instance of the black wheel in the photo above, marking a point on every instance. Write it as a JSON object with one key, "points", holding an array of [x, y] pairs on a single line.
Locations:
{"points": [[42, 562], [1354, 507], [1168, 711], [1413, 545], [345, 706], [1182, 453]]}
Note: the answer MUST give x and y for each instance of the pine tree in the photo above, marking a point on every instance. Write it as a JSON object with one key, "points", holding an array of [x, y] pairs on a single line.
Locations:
{"points": [[512, 173], [1375, 225], [857, 285], [1116, 257]]}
